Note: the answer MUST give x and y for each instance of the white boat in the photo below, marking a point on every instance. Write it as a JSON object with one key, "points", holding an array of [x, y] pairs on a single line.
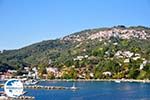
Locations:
{"points": [[31, 82], [73, 87], [24, 92], [117, 81]]}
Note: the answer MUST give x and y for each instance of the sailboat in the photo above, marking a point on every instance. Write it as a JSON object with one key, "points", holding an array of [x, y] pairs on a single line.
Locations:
{"points": [[73, 87]]}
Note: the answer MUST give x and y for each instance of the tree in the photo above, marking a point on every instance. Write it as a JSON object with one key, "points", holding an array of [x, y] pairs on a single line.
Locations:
{"points": [[42, 70], [51, 75], [133, 73]]}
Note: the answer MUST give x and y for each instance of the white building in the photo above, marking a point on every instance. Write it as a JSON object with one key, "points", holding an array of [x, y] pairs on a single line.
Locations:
{"points": [[107, 73]]}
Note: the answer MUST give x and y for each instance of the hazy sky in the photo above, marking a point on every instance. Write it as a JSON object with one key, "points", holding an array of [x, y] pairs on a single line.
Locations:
{"points": [[23, 22]]}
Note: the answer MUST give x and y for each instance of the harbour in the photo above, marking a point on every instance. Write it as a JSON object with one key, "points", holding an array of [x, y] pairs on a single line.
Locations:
{"points": [[87, 90], [92, 90]]}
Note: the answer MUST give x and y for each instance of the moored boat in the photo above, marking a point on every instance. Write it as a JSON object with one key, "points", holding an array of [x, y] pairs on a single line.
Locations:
{"points": [[30, 82], [73, 87], [117, 81]]}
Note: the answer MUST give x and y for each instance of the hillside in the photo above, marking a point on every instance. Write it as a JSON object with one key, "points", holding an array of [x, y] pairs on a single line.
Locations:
{"points": [[118, 49]]}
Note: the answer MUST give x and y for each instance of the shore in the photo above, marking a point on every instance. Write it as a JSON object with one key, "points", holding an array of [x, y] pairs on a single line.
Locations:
{"points": [[99, 80]]}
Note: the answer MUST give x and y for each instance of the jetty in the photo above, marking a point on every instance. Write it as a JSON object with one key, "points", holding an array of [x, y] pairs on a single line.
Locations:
{"points": [[3, 96], [46, 87], [22, 98], [43, 87]]}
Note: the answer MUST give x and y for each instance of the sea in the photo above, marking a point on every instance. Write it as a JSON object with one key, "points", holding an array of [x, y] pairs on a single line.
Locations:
{"points": [[92, 90]]}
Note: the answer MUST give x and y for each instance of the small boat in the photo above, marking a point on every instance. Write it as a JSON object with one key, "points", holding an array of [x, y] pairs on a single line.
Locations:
{"points": [[24, 92], [117, 81], [31, 82], [73, 87]]}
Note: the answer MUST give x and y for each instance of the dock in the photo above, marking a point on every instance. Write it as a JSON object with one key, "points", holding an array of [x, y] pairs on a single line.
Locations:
{"points": [[46, 87], [43, 87], [18, 98], [23, 98]]}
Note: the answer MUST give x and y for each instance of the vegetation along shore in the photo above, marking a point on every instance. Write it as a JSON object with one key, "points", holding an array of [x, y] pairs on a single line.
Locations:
{"points": [[98, 80]]}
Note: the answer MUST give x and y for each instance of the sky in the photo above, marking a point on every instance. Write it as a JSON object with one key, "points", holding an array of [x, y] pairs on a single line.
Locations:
{"points": [[24, 22]]}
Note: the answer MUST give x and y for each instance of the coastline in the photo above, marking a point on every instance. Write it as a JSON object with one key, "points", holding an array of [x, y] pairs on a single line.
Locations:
{"points": [[99, 80]]}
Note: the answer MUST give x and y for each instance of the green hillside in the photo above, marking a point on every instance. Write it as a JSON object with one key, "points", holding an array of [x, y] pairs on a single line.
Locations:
{"points": [[96, 50]]}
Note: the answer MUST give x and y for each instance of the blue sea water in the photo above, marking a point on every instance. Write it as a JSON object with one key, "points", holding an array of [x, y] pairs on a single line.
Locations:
{"points": [[94, 91]]}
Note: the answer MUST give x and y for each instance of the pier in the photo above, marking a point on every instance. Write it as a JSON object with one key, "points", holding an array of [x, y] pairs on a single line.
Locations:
{"points": [[46, 87], [22, 98]]}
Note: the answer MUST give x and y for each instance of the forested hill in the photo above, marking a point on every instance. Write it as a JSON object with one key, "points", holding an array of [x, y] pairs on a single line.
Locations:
{"points": [[89, 47]]}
